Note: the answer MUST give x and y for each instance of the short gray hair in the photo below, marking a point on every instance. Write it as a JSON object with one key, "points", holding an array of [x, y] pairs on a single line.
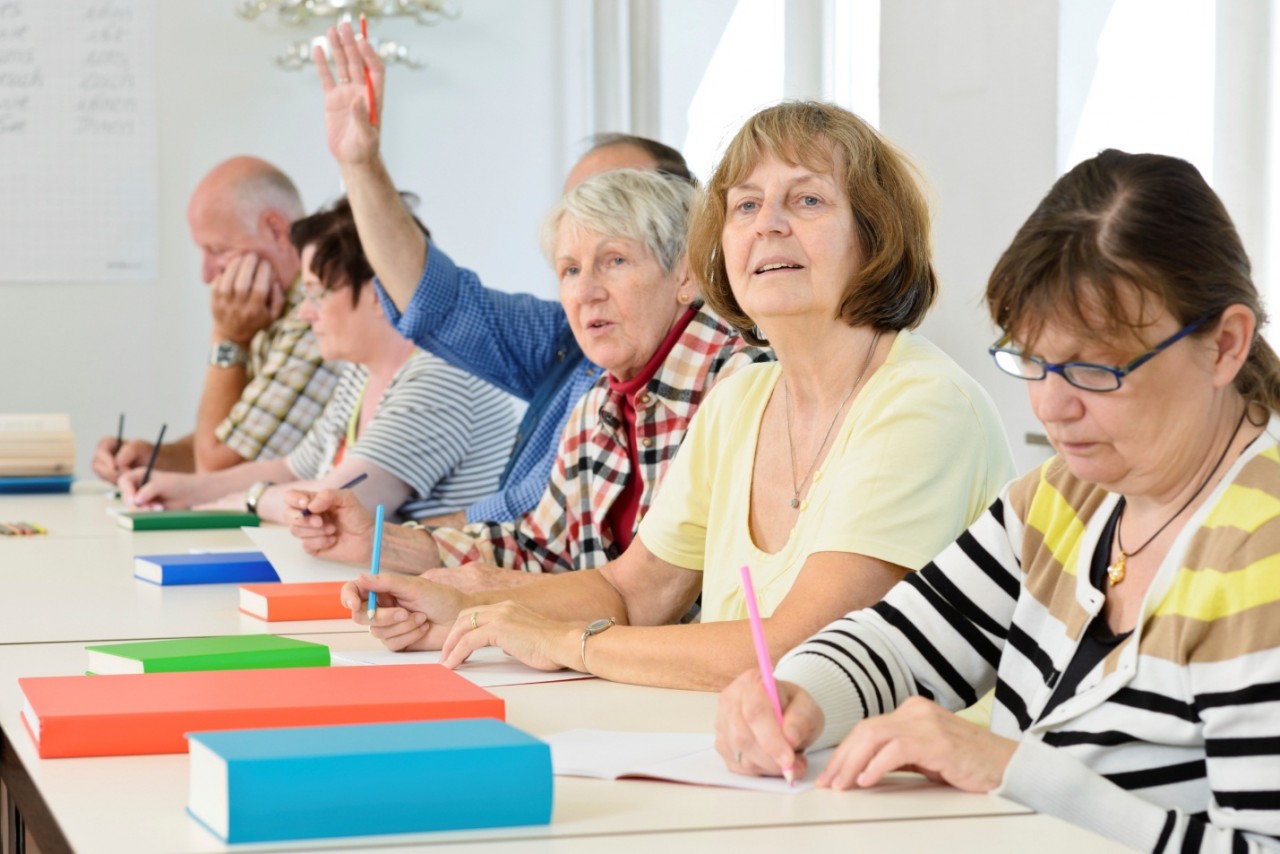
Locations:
{"points": [[639, 204], [266, 189]]}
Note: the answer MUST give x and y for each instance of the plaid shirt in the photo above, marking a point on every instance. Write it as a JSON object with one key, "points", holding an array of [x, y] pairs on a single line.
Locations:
{"points": [[289, 384], [567, 529]]}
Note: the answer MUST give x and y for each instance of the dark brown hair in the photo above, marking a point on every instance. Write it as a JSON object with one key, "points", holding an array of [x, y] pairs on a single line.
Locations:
{"points": [[1121, 221], [339, 261], [896, 284]]}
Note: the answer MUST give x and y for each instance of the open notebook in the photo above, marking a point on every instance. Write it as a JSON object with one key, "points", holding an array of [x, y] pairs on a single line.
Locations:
{"points": [[675, 756]]}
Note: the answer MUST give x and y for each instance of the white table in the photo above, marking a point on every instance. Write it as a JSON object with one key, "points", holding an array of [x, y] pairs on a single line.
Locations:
{"points": [[136, 804], [81, 513], [82, 589]]}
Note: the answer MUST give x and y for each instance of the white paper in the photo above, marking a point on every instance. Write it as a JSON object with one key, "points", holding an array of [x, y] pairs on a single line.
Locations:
{"points": [[487, 667], [284, 553], [678, 757]]}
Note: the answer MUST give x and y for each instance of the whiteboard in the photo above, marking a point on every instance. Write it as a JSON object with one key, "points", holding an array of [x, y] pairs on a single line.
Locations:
{"points": [[78, 140]]}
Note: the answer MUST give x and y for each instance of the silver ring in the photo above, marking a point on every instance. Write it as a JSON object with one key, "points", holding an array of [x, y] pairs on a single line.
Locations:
{"points": [[344, 80], [737, 757], [474, 624]]}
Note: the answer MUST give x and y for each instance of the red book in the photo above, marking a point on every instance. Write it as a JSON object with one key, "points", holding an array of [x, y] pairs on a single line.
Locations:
{"points": [[136, 713], [308, 600]]}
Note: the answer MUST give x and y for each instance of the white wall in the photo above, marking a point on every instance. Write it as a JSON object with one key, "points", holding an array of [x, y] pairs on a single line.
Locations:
{"points": [[474, 135], [968, 88]]}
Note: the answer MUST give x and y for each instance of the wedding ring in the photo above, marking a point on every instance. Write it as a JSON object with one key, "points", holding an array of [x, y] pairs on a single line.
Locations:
{"points": [[344, 80], [474, 624], [737, 757]]}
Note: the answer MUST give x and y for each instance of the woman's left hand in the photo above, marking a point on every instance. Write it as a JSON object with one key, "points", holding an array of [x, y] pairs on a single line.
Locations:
{"points": [[520, 632], [920, 736]]}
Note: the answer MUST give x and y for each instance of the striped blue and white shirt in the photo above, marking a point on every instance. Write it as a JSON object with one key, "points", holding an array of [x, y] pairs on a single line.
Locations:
{"points": [[443, 432]]}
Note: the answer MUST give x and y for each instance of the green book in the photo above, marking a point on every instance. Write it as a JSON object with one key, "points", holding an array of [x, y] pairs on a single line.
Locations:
{"points": [[186, 520], [229, 652]]}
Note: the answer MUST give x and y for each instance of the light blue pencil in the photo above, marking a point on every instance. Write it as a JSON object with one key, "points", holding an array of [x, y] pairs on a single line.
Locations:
{"points": [[374, 561]]}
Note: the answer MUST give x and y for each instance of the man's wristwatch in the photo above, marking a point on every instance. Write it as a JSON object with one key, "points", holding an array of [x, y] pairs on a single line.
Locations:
{"points": [[593, 628], [227, 354], [253, 495]]}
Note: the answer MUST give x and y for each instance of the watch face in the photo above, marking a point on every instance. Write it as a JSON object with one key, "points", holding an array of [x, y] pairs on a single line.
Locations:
{"points": [[598, 626]]}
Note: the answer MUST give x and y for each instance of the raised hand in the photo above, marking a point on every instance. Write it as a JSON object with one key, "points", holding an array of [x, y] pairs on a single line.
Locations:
{"points": [[351, 136]]}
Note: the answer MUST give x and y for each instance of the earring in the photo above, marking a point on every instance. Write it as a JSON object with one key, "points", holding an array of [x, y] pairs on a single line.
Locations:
{"points": [[684, 299]]}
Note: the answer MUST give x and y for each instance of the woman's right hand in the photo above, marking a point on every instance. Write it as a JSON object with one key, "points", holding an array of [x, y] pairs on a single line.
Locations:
{"points": [[748, 737], [338, 527], [412, 613]]}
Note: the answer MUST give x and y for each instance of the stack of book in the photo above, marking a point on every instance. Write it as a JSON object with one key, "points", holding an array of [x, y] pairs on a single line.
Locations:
{"points": [[36, 451]]}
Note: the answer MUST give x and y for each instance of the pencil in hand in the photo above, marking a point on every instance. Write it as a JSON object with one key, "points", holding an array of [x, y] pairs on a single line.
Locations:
{"points": [[351, 484], [374, 561], [151, 461]]}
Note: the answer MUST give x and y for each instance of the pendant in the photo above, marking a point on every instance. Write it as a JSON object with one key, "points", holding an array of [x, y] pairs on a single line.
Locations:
{"points": [[1115, 572], [795, 502]]}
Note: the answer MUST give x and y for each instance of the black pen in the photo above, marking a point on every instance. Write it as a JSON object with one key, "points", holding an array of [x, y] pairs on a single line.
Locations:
{"points": [[155, 449], [348, 485], [119, 435]]}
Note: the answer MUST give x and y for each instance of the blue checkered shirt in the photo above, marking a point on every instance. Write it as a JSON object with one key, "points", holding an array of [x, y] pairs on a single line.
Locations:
{"points": [[517, 342]]}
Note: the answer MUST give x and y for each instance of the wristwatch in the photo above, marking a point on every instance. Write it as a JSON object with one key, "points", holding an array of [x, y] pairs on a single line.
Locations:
{"points": [[253, 495], [227, 354], [595, 627]]}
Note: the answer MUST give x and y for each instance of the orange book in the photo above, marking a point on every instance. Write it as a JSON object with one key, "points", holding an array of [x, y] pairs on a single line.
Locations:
{"points": [[135, 713], [308, 600]]}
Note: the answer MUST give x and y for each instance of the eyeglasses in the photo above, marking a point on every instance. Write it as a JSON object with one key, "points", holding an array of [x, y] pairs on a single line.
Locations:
{"points": [[1082, 375], [315, 296]]}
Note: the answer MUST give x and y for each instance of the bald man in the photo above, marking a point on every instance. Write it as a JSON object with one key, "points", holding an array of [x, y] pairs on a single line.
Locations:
{"points": [[265, 382], [517, 342]]}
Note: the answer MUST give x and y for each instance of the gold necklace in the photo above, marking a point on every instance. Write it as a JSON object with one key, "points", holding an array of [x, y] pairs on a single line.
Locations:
{"points": [[1116, 571], [786, 397]]}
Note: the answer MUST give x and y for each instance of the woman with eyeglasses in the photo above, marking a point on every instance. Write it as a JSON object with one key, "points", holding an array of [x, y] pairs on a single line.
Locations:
{"points": [[1123, 599], [429, 438]]}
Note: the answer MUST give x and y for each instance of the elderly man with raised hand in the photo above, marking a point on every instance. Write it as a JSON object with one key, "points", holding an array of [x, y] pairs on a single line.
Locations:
{"points": [[517, 342], [266, 382]]}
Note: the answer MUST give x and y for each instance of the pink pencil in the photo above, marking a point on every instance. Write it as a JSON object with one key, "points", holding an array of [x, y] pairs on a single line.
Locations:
{"points": [[762, 657]]}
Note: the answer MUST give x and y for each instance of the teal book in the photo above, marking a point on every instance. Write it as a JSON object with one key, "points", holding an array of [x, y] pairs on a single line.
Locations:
{"points": [[205, 568], [35, 485], [316, 782], [230, 652], [186, 520]]}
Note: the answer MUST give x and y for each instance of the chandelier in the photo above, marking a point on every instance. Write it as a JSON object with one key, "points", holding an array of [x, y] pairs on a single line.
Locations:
{"points": [[328, 13]]}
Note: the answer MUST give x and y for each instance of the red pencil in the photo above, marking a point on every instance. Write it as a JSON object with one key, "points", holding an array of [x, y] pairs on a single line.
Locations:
{"points": [[368, 78]]}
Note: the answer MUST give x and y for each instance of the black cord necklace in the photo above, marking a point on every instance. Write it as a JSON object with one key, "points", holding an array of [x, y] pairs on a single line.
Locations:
{"points": [[1115, 572]]}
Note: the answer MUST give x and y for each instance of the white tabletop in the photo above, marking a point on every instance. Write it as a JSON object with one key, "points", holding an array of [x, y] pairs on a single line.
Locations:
{"points": [[136, 804], [83, 513], [82, 588]]}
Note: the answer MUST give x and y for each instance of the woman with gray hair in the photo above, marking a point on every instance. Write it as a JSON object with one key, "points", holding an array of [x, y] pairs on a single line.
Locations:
{"points": [[617, 244]]}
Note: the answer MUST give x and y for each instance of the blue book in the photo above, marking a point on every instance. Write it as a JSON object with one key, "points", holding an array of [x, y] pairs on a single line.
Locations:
{"points": [[35, 485], [214, 568], [313, 782]]}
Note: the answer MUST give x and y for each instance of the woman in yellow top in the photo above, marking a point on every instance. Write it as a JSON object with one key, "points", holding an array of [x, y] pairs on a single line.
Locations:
{"points": [[831, 473]]}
